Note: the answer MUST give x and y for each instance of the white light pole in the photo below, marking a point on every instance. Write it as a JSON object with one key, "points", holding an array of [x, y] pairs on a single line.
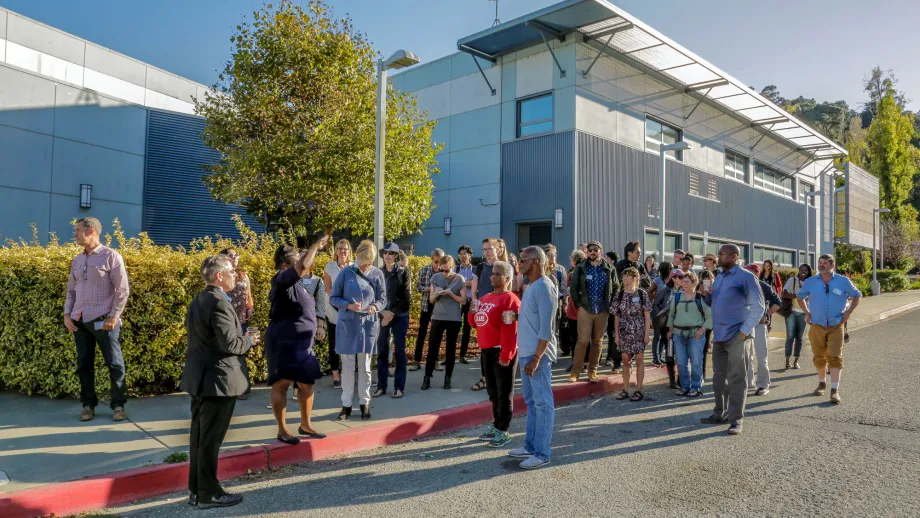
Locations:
{"points": [[399, 59], [662, 198], [876, 288], [812, 194]]}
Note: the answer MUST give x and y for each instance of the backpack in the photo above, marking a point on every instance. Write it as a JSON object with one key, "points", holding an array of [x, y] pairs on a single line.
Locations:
{"points": [[643, 297], [699, 303]]}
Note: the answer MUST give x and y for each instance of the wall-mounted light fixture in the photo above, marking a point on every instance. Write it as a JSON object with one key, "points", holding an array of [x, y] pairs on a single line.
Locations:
{"points": [[558, 219], [447, 226], [86, 195]]}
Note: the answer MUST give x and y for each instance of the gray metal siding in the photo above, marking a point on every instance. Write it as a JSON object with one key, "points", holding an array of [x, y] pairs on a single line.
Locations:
{"points": [[537, 179], [177, 206], [618, 187]]}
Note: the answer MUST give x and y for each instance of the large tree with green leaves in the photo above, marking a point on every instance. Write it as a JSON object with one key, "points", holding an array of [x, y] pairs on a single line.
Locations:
{"points": [[294, 115], [892, 157]]}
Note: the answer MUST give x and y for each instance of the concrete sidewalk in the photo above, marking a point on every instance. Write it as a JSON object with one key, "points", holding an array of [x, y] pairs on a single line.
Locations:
{"points": [[42, 442]]}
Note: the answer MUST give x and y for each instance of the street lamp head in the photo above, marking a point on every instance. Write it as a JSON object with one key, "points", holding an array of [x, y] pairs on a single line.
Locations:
{"points": [[881, 211], [401, 59], [677, 146]]}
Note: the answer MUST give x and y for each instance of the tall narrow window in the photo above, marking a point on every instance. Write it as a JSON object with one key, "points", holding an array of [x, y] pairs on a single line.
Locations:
{"points": [[658, 134], [535, 115], [736, 166]]}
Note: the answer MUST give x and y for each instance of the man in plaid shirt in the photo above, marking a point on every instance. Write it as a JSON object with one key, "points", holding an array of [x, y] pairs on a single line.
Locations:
{"points": [[97, 291], [424, 282]]}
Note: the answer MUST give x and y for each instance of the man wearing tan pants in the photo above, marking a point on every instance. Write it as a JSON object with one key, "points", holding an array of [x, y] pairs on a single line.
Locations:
{"points": [[824, 300], [594, 283]]}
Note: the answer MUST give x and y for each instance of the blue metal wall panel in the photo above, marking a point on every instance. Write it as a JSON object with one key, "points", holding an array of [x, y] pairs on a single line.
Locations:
{"points": [[618, 187], [177, 206], [537, 179]]}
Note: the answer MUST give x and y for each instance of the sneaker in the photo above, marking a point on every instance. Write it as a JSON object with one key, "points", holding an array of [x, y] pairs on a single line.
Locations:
{"points": [[379, 392], [573, 378], [608, 363], [119, 414], [533, 463], [822, 386], [593, 378], [761, 392], [88, 413], [489, 435], [463, 360], [712, 420], [835, 397], [500, 439], [337, 384], [520, 453], [735, 429], [414, 367], [438, 367]]}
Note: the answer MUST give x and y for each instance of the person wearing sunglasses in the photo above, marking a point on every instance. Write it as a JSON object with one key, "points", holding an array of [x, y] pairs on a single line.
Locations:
{"points": [[828, 300], [423, 284], [97, 292], [447, 294], [394, 320]]}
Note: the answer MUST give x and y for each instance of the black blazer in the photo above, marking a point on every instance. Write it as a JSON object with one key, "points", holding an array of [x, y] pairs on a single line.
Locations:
{"points": [[399, 289], [215, 365]]}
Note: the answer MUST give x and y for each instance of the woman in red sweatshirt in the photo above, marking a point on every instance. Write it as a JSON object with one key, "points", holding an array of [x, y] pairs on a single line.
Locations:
{"points": [[495, 320]]}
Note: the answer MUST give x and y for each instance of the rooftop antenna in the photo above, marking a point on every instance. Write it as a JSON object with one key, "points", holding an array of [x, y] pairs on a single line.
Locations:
{"points": [[497, 21]]}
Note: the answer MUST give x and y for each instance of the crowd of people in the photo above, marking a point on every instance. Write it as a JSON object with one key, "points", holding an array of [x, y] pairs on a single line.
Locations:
{"points": [[527, 311]]}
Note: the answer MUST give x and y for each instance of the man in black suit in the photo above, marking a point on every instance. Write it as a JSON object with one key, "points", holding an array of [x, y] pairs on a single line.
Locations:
{"points": [[214, 377]]}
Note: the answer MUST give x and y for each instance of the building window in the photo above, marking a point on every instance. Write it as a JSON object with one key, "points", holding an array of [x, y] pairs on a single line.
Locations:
{"points": [[805, 188], [535, 115], [736, 166], [672, 242], [780, 257], [658, 134], [773, 181], [712, 247]]}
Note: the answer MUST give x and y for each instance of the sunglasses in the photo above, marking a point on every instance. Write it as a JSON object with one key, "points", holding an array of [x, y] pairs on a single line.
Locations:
{"points": [[593, 249], [444, 270], [827, 288], [391, 253]]}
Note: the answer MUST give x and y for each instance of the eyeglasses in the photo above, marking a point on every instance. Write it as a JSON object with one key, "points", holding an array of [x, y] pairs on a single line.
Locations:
{"points": [[593, 249], [487, 249]]}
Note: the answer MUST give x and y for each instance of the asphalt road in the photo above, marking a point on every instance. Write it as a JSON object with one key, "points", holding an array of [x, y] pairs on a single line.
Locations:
{"points": [[799, 456]]}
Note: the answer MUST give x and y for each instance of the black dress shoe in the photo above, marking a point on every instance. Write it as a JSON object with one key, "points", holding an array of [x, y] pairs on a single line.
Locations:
{"points": [[290, 440], [712, 420], [312, 435], [426, 383], [345, 413], [365, 412], [447, 382], [225, 500], [192, 499]]}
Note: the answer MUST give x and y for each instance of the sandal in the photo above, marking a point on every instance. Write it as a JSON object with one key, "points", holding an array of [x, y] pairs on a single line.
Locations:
{"points": [[397, 394], [693, 393], [481, 384], [637, 396], [622, 395]]}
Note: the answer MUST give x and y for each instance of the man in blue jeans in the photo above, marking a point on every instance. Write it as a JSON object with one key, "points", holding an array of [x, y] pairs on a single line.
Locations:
{"points": [[537, 353]]}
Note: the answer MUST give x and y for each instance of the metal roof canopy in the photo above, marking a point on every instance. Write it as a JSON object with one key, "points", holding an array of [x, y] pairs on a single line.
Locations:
{"points": [[618, 30]]}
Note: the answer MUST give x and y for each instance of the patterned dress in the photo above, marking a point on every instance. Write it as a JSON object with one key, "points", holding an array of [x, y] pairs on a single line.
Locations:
{"points": [[239, 299], [631, 309]]}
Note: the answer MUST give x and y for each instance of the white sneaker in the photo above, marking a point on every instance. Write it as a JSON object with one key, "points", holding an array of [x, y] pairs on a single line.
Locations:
{"points": [[520, 453], [533, 463]]}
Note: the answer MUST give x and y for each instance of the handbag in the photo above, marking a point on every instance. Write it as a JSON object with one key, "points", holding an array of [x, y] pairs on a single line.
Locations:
{"points": [[785, 307]]}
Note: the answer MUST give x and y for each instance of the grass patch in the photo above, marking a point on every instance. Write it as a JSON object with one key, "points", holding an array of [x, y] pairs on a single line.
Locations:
{"points": [[176, 456]]}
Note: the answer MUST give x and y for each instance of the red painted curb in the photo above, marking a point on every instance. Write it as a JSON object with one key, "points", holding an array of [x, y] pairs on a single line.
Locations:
{"points": [[122, 487]]}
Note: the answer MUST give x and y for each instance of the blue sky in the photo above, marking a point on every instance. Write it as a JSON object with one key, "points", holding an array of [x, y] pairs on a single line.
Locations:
{"points": [[815, 48]]}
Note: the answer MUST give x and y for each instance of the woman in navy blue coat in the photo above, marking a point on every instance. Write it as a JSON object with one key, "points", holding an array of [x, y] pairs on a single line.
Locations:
{"points": [[289, 339], [359, 294]]}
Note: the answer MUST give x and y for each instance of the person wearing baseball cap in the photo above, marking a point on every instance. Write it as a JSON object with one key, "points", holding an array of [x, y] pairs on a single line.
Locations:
{"points": [[594, 282], [393, 319]]}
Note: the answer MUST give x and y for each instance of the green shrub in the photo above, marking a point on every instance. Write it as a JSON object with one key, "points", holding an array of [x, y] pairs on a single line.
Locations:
{"points": [[915, 285], [38, 355], [176, 457], [786, 273], [862, 283], [891, 281]]}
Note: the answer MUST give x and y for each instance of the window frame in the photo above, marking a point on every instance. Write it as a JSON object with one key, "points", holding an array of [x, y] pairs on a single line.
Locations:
{"points": [[669, 256], [771, 186], [519, 124], [673, 155], [747, 167], [801, 195], [774, 249], [744, 246]]}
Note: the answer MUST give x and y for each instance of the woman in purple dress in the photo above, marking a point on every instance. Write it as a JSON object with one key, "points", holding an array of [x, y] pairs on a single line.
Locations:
{"points": [[289, 339]]}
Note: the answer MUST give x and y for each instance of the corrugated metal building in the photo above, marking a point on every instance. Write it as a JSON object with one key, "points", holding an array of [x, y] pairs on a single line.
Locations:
{"points": [[552, 122], [77, 119]]}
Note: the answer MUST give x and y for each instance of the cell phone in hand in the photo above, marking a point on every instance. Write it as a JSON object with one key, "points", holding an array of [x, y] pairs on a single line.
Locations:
{"points": [[98, 325]]}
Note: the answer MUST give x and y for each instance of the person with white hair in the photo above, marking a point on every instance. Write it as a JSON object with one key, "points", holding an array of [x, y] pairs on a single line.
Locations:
{"points": [[359, 294]]}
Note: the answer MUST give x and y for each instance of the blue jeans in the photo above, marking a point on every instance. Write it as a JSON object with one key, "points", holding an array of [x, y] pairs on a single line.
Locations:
{"points": [[689, 348], [795, 329], [399, 327], [541, 409]]}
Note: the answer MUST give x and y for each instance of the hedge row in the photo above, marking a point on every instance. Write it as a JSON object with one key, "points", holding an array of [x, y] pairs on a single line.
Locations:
{"points": [[38, 355]]}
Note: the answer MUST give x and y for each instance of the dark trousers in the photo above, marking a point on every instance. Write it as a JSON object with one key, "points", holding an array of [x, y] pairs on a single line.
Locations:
{"points": [[500, 386], [613, 351], [465, 330], [398, 327], [729, 378], [87, 337], [423, 320], [661, 337], [335, 363], [438, 328], [706, 350], [660, 343], [210, 420]]}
